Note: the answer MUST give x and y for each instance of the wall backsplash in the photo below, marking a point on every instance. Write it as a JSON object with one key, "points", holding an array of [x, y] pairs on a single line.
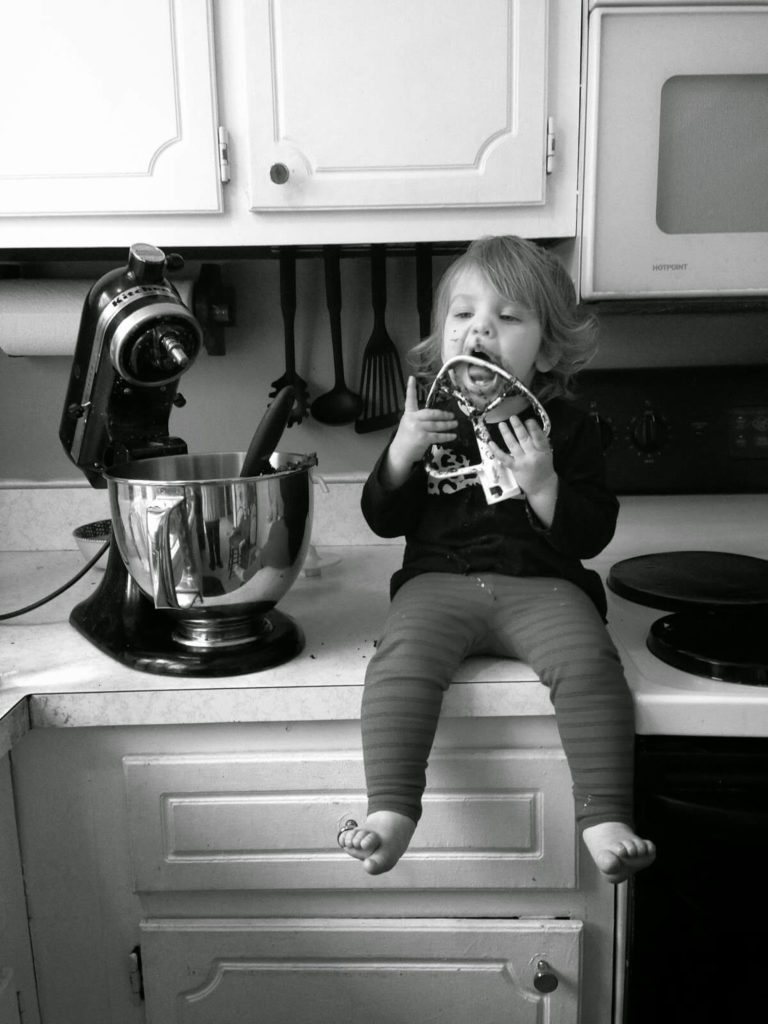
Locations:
{"points": [[227, 395], [41, 517]]}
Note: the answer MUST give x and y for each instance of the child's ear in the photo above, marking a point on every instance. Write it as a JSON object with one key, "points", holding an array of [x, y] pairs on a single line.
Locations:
{"points": [[545, 361]]}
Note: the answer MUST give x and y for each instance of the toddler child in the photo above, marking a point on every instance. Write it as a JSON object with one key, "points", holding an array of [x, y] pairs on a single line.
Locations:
{"points": [[500, 577]]}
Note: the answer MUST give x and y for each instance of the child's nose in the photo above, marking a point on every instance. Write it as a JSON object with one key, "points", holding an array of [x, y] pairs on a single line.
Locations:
{"points": [[481, 326]]}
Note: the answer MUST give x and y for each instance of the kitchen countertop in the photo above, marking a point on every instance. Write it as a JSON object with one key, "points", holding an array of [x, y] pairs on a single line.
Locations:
{"points": [[51, 676]]}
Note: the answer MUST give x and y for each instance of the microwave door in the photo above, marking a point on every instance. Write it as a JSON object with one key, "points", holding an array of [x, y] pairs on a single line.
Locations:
{"points": [[675, 196]]}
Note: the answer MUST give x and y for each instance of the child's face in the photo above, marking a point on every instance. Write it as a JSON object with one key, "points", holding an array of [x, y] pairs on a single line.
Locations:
{"points": [[482, 322]]}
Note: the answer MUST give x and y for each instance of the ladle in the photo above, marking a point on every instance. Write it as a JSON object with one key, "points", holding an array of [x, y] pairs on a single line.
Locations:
{"points": [[339, 405], [267, 434], [288, 308]]}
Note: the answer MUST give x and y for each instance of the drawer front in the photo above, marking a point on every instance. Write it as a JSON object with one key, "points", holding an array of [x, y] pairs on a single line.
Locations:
{"points": [[326, 971], [492, 819]]}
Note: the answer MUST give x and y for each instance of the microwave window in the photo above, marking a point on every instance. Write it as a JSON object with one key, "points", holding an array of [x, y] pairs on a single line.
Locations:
{"points": [[713, 154]]}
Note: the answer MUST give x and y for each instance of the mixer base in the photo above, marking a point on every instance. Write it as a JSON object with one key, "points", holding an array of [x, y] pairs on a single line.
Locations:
{"points": [[122, 623], [157, 652]]}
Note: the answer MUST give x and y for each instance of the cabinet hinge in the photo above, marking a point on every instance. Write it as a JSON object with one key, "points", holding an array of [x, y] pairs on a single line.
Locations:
{"points": [[223, 154], [550, 144], [135, 974]]}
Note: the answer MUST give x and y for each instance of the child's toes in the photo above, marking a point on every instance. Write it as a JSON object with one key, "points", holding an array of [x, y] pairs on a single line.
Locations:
{"points": [[643, 852], [367, 841], [356, 841]]}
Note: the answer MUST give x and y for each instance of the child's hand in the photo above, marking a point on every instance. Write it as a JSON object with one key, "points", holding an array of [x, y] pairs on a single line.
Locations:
{"points": [[529, 455], [418, 429]]}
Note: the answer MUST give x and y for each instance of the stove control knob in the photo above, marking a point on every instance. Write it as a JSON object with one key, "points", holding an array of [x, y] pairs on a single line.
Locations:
{"points": [[649, 431], [544, 980], [605, 429]]}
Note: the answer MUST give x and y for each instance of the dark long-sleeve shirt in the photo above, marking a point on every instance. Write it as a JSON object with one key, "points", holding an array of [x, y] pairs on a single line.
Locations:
{"points": [[449, 527]]}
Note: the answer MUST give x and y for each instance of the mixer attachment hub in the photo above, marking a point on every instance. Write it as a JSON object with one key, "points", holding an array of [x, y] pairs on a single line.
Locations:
{"points": [[209, 634]]}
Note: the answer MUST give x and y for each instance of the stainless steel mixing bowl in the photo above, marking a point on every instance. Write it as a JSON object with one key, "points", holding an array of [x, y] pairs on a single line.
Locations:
{"points": [[213, 549]]}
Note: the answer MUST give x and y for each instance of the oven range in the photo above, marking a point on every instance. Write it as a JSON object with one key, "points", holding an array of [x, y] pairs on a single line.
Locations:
{"points": [[687, 579]]}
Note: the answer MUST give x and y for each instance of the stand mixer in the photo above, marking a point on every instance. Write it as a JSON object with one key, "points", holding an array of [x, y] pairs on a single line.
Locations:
{"points": [[199, 554]]}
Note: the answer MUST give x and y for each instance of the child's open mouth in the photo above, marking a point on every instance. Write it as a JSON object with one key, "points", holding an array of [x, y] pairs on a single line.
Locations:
{"points": [[480, 375], [480, 384]]}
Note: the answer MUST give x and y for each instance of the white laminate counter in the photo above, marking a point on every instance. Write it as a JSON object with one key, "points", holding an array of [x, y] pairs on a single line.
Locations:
{"points": [[51, 676]]}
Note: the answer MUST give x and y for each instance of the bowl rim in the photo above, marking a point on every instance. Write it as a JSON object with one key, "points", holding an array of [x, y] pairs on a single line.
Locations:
{"points": [[300, 463]]}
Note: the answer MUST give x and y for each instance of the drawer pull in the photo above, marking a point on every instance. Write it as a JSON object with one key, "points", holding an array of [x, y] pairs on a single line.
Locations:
{"points": [[544, 980]]}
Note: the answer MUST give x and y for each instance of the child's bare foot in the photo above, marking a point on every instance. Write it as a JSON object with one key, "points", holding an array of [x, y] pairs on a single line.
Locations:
{"points": [[379, 842], [617, 851]]}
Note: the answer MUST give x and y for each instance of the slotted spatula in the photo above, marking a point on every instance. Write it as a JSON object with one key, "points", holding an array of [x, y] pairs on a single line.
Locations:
{"points": [[382, 387]]}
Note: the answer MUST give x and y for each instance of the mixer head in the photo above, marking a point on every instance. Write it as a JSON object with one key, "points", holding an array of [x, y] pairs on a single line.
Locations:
{"points": [[136, 339]]}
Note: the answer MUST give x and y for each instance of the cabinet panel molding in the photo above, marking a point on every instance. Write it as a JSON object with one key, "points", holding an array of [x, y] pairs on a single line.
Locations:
{"points": [[268, 820], [324, 970]]}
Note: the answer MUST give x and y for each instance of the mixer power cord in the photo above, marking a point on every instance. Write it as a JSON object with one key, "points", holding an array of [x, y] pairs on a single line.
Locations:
{"points": [[66, 586]]}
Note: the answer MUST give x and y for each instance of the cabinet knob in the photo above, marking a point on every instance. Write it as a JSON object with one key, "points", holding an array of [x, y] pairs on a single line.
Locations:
{"points": [[544, 980], [279, 174]]}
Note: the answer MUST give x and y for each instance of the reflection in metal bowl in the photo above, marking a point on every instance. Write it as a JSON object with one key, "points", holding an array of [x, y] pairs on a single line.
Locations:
{"points": [[208, 545]]}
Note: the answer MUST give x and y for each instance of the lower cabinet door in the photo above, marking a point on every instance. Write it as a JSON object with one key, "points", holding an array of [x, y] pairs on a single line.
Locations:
{"points": [[291, 971]]}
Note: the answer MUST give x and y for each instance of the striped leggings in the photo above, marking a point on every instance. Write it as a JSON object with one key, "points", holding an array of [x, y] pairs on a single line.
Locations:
{"points": [[438, 619]]}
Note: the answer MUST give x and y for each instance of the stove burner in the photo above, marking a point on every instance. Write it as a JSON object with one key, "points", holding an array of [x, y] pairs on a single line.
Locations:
{"points": [[730, 645], [682, 580], [720, 629]]}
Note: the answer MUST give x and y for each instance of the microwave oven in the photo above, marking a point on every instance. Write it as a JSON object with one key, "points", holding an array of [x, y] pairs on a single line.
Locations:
{"points": [[675, 188]]}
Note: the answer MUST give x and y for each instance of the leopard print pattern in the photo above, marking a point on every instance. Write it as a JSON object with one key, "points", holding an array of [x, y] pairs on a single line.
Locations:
{"points": [[442, 459]]}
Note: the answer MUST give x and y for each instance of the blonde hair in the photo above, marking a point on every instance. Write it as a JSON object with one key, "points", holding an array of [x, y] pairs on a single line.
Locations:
{"points": [[523, 272]]}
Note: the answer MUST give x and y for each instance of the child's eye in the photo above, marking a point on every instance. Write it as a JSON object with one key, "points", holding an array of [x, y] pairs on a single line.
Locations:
{"points": [[512, 317]]}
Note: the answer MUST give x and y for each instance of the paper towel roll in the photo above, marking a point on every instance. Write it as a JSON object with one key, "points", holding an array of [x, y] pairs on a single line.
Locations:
{"points": [[42, 317]]}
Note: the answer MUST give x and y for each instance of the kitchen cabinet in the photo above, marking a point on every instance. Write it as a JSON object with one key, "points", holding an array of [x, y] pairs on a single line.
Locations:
{"points": [[113, 111], [355, 104], [207, 853], [327, 970], [17, 980], [274, 122]]}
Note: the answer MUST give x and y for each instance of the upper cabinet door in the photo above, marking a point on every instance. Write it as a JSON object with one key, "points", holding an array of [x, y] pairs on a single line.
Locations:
{"points": [[108, 108], [362, 104]]}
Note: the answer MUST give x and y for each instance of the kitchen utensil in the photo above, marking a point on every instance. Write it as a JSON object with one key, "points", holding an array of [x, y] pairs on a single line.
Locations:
{"points": [[381, 380], [199, 554], [339, 405], [423, 302], [211, 548], [498, 481], [90, 537], [424, 287], [268, 433], [288, 306]]}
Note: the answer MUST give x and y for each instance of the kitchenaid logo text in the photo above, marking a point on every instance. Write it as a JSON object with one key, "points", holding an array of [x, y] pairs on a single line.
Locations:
{"points": [[669, 266]]}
